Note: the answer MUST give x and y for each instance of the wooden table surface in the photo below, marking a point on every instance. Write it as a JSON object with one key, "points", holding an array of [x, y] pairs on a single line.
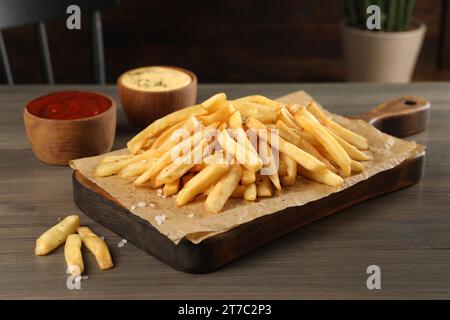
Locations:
{"points": [[406, 233]]}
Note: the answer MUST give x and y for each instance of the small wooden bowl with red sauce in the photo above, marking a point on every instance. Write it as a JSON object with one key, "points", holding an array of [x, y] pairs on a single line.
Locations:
{"points": [[67, 125]]}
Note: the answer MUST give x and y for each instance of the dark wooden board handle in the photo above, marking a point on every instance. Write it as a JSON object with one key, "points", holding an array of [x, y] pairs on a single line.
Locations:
{"points": [[399, 117]]}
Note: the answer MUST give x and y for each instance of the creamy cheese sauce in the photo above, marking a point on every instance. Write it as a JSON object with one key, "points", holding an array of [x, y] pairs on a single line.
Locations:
{"points": [[156, 79]]}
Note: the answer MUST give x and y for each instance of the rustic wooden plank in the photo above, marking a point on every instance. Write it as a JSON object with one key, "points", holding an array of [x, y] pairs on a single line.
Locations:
{"points": [[406, 233]]}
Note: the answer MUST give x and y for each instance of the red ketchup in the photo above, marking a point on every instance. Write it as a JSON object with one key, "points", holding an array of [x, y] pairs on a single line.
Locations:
{"points": [[69, 105]]}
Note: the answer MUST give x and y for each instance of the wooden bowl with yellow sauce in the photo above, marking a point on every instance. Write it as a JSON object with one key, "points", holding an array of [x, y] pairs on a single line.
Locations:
{"points": [[149, 93]]}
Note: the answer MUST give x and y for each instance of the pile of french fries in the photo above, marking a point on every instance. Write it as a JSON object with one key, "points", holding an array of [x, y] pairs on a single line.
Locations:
{"points": [[301, 141]]}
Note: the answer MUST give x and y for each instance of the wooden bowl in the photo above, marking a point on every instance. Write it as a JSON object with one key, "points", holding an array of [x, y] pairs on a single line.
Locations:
{"points": [[59, 141], [142, 107]]}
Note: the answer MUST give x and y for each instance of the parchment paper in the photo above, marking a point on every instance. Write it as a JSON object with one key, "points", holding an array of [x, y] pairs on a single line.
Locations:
{"points": [[192, 222]]}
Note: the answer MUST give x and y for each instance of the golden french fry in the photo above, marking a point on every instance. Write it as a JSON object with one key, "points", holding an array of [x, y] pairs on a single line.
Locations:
{"points": [[221, 115], [291, 171], [190, 126], [72, 253], [137, 168], [200, 182], [248, 177], [351, 137], [235, 121], [215, 102], [263, 113], [351, 150], [282, 167], [179, 167], [238, 191], [302, 157], [111, 168], [148, 144], [334, 149], [136, 143], [115, 158], [263, 187], [270, 167], [305, 145], [97, 247], [288, 119], [171, 188], [56, 235], [250, 192], [163, 137], [357, 166], [243, 155], [223, 189], [167, 158], [324, 176], [260, 100]]}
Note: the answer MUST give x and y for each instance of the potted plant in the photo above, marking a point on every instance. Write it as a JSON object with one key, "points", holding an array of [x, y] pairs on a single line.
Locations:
{"points": [[381, 40]]}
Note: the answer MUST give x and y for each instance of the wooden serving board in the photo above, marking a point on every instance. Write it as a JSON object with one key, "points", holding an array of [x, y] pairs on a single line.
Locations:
{"points": [[410, 113]]}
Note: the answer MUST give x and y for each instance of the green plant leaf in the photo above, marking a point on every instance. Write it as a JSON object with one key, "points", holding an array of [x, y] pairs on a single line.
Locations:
{"points": [[391, 17], [400, 15], [409, 12]]}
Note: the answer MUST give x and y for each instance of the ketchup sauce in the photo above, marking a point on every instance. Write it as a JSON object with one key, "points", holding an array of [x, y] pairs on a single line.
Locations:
{"points": [[69, 105]]}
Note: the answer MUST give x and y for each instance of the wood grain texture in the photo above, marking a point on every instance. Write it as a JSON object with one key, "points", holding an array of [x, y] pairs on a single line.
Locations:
{"points": [[226, 247], [399, 117], [59, 141], [405, 233]]}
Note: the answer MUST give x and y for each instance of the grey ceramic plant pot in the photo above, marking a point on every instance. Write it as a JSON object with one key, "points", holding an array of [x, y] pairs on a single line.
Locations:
{"points": [[388, 57]]}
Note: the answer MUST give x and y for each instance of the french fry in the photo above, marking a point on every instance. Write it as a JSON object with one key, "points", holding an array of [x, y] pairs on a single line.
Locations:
{"points": [[72, 254], [248, 177], [282, 167], [330, 144], [260, 100], [137, 168], [238, 191], [302, 157], [190, 126], [136, 143], [245, 156], [97, 247], [263, 187], [235, 121], [200, 182], [288, 119], [351, 150], [171, 188], [166, 159], [351, 137], [179, 167], [56, 235], [357, 166], [215, 102], [113, 167], [291, 171], [115, 158], [250, 192], [260, 112], [161, 139], [220, 115], [270, 166], [324, 176], [223, 189]]}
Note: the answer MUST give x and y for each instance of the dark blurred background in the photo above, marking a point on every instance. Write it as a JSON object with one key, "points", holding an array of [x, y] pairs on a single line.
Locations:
{"points": [[220, 40]]}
